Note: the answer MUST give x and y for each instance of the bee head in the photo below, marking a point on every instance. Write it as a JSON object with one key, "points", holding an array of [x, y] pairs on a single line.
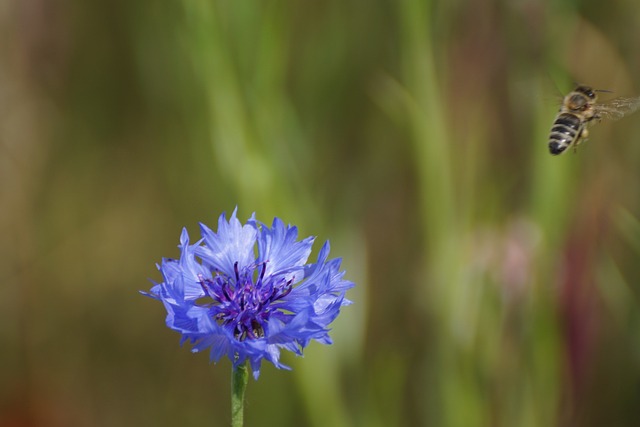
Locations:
{"points": [[580, 99], [587, 91]]}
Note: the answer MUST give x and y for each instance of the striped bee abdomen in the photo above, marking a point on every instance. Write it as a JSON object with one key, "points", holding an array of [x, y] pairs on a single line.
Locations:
{"points": [[566, 129]]}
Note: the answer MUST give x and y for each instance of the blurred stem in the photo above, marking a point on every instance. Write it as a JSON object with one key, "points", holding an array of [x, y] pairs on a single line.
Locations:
{"points": [[239, 379]]}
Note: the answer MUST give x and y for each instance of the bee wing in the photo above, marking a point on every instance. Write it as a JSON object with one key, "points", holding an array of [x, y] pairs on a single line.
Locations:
{"points": [[617, 108]]}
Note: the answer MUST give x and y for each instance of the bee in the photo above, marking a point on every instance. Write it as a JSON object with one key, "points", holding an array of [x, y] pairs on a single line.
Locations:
{"points": [[580, 109]]}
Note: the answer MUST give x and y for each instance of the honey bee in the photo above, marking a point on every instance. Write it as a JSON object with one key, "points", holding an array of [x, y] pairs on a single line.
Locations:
{"points": [[579, 109]]}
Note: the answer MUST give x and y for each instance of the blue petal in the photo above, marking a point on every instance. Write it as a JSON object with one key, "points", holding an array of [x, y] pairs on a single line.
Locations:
{"points": [[273, 356], [191, 269], [284, 255], [233, 243]]}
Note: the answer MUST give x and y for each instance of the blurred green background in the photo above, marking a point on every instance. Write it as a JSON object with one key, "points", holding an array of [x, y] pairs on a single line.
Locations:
{"points": [[496, 285]]}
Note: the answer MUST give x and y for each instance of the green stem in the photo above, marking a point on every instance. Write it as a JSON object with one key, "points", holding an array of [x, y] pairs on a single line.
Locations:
{"points": [[239, 379]]}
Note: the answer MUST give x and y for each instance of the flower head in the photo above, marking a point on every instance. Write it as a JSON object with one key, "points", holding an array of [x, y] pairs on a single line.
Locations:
{"points": [[246, 291]]}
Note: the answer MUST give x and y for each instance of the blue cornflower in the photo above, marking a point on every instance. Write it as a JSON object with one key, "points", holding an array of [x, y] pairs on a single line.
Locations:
{"points": [[226, 296]]}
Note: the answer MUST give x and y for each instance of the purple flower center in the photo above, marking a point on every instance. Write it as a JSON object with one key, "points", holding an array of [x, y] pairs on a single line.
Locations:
{"points": [[244, 303]]}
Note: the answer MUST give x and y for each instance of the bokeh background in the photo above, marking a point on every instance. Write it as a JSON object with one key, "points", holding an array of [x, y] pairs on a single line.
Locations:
{"points": [[496, 285]]}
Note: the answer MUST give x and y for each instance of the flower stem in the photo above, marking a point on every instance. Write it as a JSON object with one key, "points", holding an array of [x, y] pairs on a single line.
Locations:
{"points": [[239, 379]]}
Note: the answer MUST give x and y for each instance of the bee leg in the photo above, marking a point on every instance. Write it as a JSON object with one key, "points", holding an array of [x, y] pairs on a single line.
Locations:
{"points": [[583, 136], [580, 139]]}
